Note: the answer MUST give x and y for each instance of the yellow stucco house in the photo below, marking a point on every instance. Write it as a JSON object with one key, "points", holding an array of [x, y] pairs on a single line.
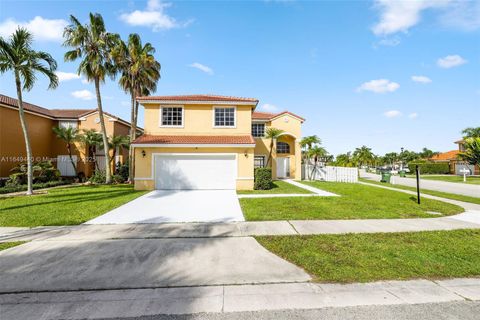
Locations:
{"points": [[212, 142], [45, 145]]}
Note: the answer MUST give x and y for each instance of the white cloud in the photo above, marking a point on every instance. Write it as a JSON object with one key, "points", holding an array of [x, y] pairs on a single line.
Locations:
{"points": [[392, 114], [83, 94], [85, 81], [464, 15], [451, 61], [421, 79], [269, 107], [399, 16], [42, 29], [379, 86], [153, 16], [66, 76], [201, 67], [389, 42], [413, 115]]}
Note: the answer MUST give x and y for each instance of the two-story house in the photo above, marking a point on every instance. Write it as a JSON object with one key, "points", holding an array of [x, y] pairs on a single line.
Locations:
{"points": [[212, 142], [45, 145]]}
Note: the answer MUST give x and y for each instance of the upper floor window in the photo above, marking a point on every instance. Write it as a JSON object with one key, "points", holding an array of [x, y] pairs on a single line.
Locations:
{"points": [[224, 117], [283, 147], [258, 129], [172, 116], [68, 124]]}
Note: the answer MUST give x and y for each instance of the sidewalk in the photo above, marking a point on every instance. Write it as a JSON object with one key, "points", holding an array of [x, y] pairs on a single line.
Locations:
{"points": [[223, 299]]}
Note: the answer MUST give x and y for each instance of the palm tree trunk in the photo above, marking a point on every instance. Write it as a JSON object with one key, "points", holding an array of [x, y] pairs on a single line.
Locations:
{"points": [[270, 153], [25, 135], [108, 174], [133, 129], [69, 148]]}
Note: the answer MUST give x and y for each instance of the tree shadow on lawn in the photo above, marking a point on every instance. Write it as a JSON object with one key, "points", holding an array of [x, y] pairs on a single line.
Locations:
{"points": [[72, 198]]}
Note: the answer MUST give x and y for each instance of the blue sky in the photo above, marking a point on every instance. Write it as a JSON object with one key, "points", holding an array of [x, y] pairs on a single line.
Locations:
{"points": [[377, 73]]}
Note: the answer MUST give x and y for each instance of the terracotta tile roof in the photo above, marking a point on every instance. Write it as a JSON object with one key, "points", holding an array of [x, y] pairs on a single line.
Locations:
{"points": [[181, 139], [198, 97], [54, 113], [450, 155], [269, 115]]}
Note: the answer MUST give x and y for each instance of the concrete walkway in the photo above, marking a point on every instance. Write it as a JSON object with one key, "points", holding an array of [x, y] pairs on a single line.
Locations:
{"points": [[223, 299], [315, 192], [470, 190]]}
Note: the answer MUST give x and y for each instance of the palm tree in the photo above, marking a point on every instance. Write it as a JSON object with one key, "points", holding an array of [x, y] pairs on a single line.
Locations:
{"points": [[272, 134], [345, 160], [363, 155], [118, 142], [93, 44], [472, 151], [307, 142], [140, 74], [471, 132], [69, 135], [316, 152], [16, 55], [91, 139]]}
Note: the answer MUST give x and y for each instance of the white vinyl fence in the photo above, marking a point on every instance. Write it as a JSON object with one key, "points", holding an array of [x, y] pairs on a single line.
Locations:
{"points": [[328, 173]]}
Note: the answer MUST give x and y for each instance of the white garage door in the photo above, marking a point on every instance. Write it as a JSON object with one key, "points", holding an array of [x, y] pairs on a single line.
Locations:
{"points": [[193, 172]]}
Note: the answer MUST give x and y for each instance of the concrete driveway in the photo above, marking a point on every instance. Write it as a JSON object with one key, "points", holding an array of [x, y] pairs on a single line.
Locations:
{"points": [[177, 206]]}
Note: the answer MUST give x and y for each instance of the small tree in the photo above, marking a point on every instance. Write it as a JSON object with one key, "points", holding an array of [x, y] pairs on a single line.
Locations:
{"points": [[472, 151], [471, 132], [118, 142], [363, 156], [91, 139], [17, 55], [316, 153], [69, 135], [272, 134]]}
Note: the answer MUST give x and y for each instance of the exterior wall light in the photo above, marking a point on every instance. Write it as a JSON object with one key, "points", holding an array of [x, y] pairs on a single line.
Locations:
{"points": [[144, 154]]}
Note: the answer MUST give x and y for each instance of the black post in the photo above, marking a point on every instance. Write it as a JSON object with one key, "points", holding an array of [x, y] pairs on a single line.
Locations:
{"points": [[417, 172]]}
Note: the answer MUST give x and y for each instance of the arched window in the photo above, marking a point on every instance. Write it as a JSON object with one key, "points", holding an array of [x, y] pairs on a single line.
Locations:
{"points": [[283, 147]]}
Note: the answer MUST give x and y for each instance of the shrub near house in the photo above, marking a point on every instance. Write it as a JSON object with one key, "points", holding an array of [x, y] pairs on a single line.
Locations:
{"points": [[430, 167]]}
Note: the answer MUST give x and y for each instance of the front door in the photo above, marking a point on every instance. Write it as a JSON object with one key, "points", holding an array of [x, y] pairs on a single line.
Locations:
{"points": [[283, 167]]}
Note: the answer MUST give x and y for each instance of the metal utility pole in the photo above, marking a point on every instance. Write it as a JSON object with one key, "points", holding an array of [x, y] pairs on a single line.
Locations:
{"points": [[417, 173]]}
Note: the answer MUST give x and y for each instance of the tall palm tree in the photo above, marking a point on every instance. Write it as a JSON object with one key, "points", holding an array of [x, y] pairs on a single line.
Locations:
{"points": [[17, 55], [93, 45], [118, 142], [140, 74], [70, 136], [272, 134], [91, 139]]}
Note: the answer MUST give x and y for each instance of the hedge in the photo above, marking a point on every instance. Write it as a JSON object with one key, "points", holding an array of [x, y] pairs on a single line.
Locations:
{"points": [[430, 167], [35, 186], [263, 179]]}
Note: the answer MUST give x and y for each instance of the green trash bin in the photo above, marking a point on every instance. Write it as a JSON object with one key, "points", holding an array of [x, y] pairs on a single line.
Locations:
{"points": [[386, 177], [402, 173]]}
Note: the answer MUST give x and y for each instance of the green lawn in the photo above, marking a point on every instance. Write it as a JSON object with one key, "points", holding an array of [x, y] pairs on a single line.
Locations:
{"points": [[430, 192], [278, 188], [64, 206], [356, 201], [381, 256], [6, 245], [452, 178]]}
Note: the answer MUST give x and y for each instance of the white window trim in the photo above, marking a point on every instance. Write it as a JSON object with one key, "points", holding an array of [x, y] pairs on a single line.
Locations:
{"points": [[234, 117], [169, 126]]}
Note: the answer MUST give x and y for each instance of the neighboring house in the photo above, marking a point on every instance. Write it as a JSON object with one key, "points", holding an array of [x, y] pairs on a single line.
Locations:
{"points": [[45, 145], [211, 142], [456, 165]]}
